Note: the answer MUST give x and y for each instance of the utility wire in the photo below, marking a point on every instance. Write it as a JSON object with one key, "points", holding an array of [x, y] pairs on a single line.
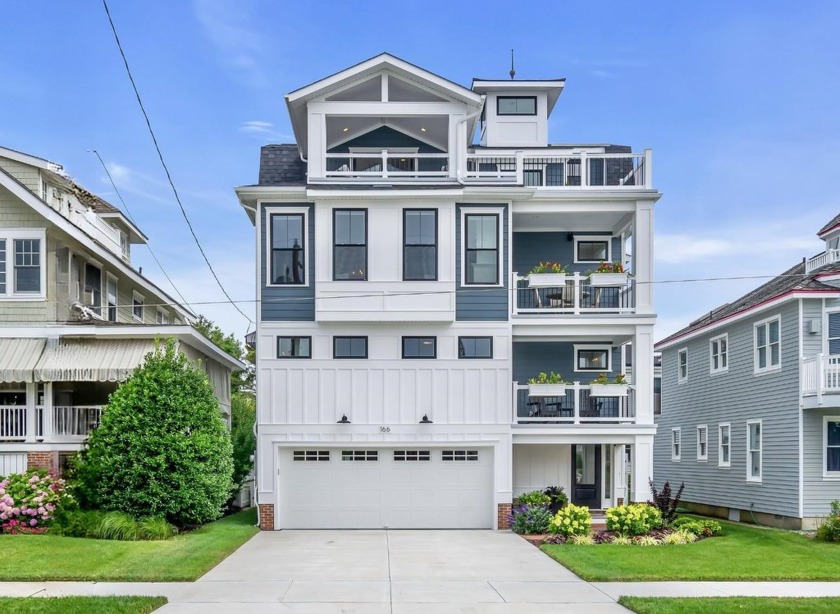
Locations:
{"points": [[163, 163], [125, 208]]}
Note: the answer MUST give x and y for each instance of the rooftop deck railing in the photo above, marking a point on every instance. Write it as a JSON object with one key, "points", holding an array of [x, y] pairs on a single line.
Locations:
{"points": [[577, 405], [387, 164], [576, 295], [829, 256]]}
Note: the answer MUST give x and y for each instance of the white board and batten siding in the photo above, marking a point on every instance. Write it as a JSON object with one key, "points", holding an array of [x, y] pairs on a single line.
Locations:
{"points": [[12, 462]]}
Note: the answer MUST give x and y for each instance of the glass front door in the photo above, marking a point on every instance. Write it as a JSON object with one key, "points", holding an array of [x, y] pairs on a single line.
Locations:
{"points": [[586, 475]]}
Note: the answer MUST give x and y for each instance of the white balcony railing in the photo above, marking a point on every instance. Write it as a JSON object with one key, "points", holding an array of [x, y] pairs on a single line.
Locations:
{"points": [[68, 423], [576, 296], [821, 375], [387, 164], [829, 256], [594, 170], [77, 421], [99, 229], [575, 406], [12, 422]]}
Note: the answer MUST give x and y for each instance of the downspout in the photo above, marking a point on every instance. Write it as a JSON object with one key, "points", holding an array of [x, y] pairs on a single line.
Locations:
{"points": [[465, 119]]}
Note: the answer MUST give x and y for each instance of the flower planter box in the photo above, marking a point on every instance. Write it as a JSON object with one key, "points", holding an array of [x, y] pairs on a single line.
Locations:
{"points": [[608, 390], [547, 280], [599, 280], [547, 390]]}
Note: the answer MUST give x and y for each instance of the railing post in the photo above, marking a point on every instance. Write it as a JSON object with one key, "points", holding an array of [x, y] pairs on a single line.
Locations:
{"points": [[822, 373], [648, 170], [384, 163], [515, 403], [520, 168], [576, 304], [584, 170], [514, 293], [576, 403]]}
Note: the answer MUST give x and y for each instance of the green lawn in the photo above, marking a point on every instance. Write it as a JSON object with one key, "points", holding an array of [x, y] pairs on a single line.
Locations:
{"points": [[182, 558], [742, 553], [80, 605], [725, 605]]}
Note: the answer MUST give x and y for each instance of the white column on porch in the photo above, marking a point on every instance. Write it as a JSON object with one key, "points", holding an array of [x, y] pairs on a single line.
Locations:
{"points": [[642, 348], [31, 414], [618, 471], [643, 256], [641, 468], [48, 409]]}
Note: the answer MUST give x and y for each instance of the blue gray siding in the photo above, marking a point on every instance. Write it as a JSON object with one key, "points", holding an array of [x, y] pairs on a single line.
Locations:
{"points": [[735, 397], [819, 491], [531, 248], [482, 304], [533, 357], [295, 303]]}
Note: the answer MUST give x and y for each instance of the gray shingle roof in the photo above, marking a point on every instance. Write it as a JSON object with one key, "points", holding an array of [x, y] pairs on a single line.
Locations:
{"points": [[792, 279], [281, 165], [830, 225]]}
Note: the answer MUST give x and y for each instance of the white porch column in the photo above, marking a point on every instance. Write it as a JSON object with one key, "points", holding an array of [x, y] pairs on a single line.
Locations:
{"points": [[642, 348], [641, 468], [643, 256], [618, 469], [48, 411], [31, 414]]}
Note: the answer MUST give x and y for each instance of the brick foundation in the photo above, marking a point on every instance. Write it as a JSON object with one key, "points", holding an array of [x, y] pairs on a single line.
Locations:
{"points": [[42, 460], [266, 517], [504, 516]]}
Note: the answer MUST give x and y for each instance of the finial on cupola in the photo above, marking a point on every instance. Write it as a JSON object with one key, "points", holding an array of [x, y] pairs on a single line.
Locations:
{"points": [[512, 69]]}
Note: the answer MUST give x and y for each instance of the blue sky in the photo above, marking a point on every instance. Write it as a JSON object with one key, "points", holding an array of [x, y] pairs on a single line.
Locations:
{"points": [[737, 99]]}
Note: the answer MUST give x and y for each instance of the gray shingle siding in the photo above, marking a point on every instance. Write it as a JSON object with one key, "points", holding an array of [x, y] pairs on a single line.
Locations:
{"points": [[481, 304], [735, 397], [812, 344], [819, 491], [291, 303]]}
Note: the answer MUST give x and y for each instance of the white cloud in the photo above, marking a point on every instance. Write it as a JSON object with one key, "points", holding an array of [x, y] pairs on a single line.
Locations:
{"points": [[264, 130]]}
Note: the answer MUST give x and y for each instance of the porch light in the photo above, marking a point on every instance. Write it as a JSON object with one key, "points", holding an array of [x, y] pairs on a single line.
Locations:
{"points": [[425, 420], [422, 130], [346, 130], [343, 420]]}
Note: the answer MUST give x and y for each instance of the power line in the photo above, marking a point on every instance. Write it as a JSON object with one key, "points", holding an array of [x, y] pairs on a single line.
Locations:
{"points": [[163, 162], [125, 207]]}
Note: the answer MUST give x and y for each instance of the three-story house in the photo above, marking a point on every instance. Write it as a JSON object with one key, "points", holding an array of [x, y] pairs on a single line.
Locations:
{"points": [[399, 324]]}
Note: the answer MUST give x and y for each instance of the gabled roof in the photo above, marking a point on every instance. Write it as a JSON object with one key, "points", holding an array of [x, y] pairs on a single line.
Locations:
{"points": [[54, 217], [792, 280], [25, 158], [832, 225]]}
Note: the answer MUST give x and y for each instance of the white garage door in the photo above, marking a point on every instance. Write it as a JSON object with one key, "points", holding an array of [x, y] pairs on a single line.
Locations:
{"points": [[400, 488]]}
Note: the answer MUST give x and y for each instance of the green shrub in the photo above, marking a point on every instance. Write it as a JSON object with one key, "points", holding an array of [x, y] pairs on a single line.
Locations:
{"points": [[162, 448], [154, 529], [30, 500], [535, 497], [77, 523], [558, 498], [633, 519], [829, 530], [95, 524], [117, 526], [530, 519], [699, 527], [572, 520]]}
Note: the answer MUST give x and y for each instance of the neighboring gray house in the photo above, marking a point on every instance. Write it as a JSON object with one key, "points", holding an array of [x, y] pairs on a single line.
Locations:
{"points": [[76, 317], [751, 399]]}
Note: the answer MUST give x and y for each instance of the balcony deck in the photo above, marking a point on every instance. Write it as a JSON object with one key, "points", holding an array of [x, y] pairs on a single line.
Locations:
{"points": [[576, 406], [829, 256], [820, 378], [68, 424], [574, 297]]}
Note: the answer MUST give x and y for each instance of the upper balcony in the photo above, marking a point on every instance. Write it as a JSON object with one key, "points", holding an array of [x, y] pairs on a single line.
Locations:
{"points": [[821, 380], [829, 256], [573, 294]]}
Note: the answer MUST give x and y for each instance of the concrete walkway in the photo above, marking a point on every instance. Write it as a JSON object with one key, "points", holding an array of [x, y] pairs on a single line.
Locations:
{"points": [[401, 572]]}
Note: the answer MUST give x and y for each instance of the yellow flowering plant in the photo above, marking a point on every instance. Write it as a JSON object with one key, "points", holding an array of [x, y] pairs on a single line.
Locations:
{"points": [[633, 519], [572, 520]]}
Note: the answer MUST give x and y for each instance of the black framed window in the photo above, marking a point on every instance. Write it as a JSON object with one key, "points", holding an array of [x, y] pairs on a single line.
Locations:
{"points": [[294, 347], [593, 360], [27, 265], [482, 250], [516, 105], [137, 304], [93, 286], [350, 245], [288, 249], [420, 245], [832, 442], [350, 347], [475, 347], [419, 347], [592, 251]]}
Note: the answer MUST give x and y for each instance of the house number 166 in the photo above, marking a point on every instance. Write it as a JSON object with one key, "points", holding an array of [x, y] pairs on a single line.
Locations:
{"points": [[384, 429]]}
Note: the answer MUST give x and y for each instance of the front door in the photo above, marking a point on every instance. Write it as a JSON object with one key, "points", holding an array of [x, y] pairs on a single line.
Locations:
{"points": [[586, 475]]}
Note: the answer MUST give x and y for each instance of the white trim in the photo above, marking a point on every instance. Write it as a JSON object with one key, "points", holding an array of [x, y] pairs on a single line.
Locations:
{"points": [[828, 475], [728, 462], [10, 235], [307, 249], [134, 296], [25, 158], [723, 355], [593, 346], [499, 212], [770, 368], [676, 444], [112, 278], [705, 429], [760, 450], [681, 379], [578, 238]]}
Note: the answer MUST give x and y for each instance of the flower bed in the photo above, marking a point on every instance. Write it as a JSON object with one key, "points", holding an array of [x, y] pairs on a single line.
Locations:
{"points": [[28, 501]]}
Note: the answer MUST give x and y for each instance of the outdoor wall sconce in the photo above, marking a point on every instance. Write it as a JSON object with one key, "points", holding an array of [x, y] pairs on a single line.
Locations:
{"points": [[425, 420], [343, 420]]}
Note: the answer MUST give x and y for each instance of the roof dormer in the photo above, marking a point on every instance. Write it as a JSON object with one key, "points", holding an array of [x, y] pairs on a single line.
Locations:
{"points": [[516, 112]]}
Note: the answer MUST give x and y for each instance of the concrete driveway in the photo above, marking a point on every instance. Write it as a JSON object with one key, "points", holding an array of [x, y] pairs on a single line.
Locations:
{"points": [[399, 572]]}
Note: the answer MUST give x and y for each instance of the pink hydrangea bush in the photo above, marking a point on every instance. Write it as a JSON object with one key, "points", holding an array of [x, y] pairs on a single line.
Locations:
{"points": [[28, 501]]}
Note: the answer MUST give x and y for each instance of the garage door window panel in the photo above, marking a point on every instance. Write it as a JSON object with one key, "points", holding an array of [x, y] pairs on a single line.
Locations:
{"points": [[459, 455]]}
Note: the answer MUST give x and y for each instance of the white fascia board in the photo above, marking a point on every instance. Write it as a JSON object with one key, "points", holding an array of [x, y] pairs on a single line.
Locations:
{"points": [[25, 158], [748, 313], [182, 332], [52, 216], [581, 433], [142, 239], [383, 194], [384, 60]]}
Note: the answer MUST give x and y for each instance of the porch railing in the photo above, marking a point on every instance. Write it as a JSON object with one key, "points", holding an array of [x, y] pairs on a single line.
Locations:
{"points": [[576, 296], [821, 375], [576, 406], [829, 256], [387, 164], [68, 423]]}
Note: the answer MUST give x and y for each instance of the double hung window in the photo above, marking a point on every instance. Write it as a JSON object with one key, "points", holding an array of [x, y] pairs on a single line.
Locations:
{"points": [[420, 245], [482, 249], [768, 345], [350, 245], [288, 249]]}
